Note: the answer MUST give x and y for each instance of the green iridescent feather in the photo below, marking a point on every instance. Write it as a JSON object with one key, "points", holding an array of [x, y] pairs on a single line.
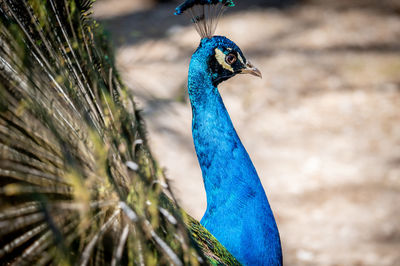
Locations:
{"points": [[79, 184]]}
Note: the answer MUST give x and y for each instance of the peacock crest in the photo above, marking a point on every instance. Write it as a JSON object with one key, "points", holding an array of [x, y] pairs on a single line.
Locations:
{"points": [[204, 14]]}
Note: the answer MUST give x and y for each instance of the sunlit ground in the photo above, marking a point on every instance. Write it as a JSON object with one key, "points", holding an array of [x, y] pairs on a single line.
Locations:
{"points": [[322, 126]]}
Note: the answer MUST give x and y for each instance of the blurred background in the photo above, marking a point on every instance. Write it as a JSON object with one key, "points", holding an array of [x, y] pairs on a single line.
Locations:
{"points": [[322, 127]]}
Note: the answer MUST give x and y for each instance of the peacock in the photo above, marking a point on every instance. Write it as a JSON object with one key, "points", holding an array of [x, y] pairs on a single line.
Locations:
{"points": [[238, 213], [78, 182]]}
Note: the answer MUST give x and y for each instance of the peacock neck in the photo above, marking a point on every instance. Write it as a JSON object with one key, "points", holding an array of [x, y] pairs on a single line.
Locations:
{"points": [[228, 173], [238, 213]]}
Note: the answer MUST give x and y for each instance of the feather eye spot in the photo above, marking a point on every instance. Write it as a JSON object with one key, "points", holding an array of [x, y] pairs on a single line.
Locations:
{"points": [[230, 59]]}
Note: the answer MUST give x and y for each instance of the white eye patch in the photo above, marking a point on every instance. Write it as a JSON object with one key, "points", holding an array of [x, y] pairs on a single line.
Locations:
{"points": [[220, 56], [240, 59]]}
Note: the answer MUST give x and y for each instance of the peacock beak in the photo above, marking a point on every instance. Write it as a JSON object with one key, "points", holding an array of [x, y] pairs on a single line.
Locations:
{"points": [[250, 69]]}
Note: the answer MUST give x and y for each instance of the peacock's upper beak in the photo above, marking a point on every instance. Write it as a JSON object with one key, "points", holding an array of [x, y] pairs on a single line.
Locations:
{"points": [[250, 69]]}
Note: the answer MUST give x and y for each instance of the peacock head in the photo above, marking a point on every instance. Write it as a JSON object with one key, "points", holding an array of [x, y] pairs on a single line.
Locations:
{"points": [[224, 59], [217, 55]]}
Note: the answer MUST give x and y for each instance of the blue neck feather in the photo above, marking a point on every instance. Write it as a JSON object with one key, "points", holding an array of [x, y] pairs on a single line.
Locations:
{"points": [[238, 213]]}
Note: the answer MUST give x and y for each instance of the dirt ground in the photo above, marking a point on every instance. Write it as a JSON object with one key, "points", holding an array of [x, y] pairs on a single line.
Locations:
{"points": [[322, 127]]}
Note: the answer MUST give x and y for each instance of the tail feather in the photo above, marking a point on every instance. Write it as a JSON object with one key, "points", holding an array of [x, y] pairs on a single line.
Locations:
{"points": [[68, 128], [78, 184]]}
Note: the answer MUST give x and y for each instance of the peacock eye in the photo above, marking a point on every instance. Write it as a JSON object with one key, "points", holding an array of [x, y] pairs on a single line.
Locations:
{"points": [[230, 59]]}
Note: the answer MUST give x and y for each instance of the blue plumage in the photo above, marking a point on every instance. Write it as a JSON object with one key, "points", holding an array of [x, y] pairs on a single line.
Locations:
{"points": [[238, 213]]}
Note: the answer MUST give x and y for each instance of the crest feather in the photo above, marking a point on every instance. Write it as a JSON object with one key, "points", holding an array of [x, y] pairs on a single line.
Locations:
{"points": [[204, 14]]}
